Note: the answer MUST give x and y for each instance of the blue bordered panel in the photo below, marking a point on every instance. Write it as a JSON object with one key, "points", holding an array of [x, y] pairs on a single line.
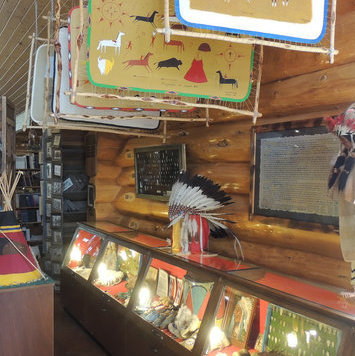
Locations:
{"points": [[302, 21]]}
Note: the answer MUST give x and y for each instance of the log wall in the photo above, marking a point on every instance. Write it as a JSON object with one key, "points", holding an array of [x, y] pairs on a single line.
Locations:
{"points": [[295, 85]]}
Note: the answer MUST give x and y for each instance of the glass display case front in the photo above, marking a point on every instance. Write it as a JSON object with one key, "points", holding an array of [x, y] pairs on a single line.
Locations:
{"points": [[248, 324], [117, 271], [83, 252], [173, 300]]}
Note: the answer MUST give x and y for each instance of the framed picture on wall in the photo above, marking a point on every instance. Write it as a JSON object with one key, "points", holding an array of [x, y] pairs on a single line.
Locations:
{"points": [[157, 169], [291, 168]]}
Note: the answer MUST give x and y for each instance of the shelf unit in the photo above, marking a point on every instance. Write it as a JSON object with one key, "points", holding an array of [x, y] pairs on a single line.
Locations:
{"points": [[116, 285], [66, 186], [28, 195]]}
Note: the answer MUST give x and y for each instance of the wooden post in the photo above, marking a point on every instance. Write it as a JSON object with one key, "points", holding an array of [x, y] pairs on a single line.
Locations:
{"points": [[166, 21], [332, 31], [247, 40], [28, 95], [164, 131], [260, 69], [45, 111]]}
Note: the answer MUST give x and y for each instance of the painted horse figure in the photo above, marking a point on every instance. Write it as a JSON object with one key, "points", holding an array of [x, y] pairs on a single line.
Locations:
{"points": [[149, 19], [139, 62], [116, 44]]}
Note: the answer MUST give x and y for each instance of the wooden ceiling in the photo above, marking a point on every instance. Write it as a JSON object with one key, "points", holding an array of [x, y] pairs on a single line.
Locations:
{"points": [[19, 19]]}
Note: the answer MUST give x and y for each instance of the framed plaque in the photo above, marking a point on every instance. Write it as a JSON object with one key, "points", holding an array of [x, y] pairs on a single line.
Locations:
{"points": [[157, 169], [291, 172]]}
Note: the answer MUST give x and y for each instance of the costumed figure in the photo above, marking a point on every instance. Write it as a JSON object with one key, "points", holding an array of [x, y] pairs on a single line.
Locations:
{"points": [[342, 178], [192, 203]]}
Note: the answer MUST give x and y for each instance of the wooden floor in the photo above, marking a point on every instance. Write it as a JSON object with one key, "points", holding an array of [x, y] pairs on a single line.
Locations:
{"points": [[70, 339]]}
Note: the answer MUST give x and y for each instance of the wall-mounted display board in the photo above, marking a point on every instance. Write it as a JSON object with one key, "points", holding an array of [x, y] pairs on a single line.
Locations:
{"points": [[102, 99], [124, 52], [295, 20], [157, 169], [291, 171]]}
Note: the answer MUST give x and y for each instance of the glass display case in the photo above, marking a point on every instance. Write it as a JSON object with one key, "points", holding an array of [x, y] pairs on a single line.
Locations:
{"points": [[174, 301], [83, 252], [117, 271], [125, 286]]}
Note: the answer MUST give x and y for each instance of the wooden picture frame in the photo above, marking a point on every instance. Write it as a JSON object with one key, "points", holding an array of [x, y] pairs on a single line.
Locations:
{"points": [[282, 155], [241, 316]]}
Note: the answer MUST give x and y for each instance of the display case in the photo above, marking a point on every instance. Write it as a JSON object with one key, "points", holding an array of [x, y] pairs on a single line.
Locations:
{"points": [[122, 289]]}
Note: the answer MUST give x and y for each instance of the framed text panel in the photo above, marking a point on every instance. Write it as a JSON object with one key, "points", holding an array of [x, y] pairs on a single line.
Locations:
{"points": [[291, 171]]}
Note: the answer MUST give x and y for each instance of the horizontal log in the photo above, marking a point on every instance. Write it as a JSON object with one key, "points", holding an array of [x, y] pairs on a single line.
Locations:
{"points": [[298, 263], [128, 204], [151, 226], [322, 243], [307, 91], [227, 142], [127, 177], [126, 157], [107, 170], [280, 64], [106, 190], [273, 232], [110, 140], [233, 177], [109, 146], [105, 211]]}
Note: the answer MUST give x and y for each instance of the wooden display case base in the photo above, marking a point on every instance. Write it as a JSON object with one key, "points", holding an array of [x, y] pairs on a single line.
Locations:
{"points": [[27, 320]]}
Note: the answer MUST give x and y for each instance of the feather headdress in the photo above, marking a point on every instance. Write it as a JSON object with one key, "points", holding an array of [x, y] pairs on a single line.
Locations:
{"points": [[344, 127], [199, 196]]}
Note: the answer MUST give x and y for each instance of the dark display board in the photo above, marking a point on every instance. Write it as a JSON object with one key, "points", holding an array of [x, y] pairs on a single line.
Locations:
{"points": [[291, 172], [157, 169]]}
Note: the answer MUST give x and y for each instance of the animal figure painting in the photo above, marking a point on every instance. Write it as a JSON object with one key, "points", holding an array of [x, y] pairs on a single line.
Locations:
{"points": [[291, 20], [103, 44], [149, 19], [223, 80], [140, 59], [144, 62], [109, 55], [105, 65], [170, 63]]}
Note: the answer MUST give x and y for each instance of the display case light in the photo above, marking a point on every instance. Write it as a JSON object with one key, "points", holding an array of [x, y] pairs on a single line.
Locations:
{"points": [[292, 340], [102, 272], [310, 333], [144, 298], [75, 254], [123, 255], [216, 337]]}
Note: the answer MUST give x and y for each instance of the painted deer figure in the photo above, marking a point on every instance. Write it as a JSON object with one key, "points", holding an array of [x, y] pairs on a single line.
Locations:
{"points": [[223, 80], [116, 44], [139, 62]]}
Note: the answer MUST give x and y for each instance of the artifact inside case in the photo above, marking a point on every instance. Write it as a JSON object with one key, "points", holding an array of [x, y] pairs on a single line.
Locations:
{"points": [[117, 271], [174, 301], [84, 252], [245, 325]]}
